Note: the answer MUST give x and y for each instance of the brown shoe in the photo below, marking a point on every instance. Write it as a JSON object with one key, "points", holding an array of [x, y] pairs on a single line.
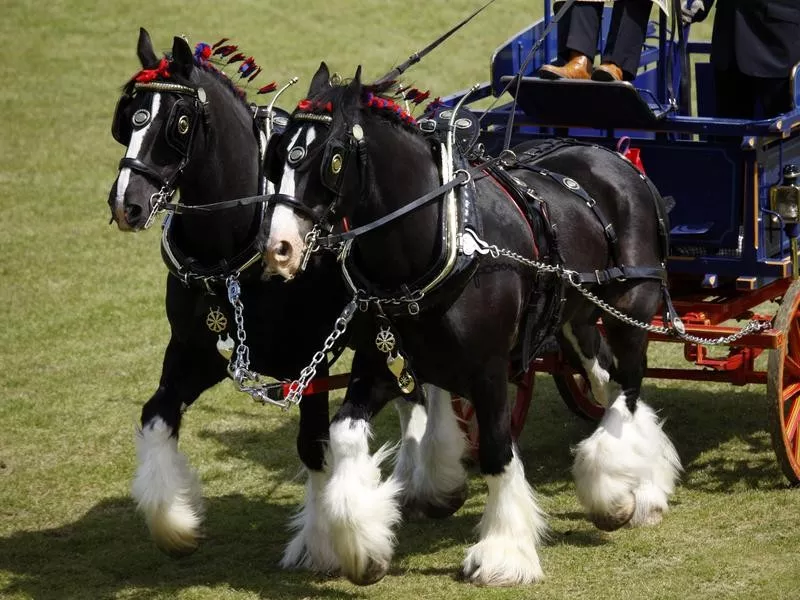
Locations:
{"points": [[578, 67], [607, 72]]}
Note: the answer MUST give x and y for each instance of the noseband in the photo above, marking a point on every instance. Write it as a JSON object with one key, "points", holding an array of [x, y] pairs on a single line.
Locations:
{"points": [[180, 129]]}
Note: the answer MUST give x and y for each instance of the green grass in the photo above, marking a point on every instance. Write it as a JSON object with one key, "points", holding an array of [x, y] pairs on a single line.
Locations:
{"points": [[83, 332]]}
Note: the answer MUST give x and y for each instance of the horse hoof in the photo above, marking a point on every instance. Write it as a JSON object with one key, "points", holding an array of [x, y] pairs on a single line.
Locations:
{"points": [[375, 571], [446, 506], [618, 515]]}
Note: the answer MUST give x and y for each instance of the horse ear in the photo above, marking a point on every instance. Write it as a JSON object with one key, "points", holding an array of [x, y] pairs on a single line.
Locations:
{"points": [[357, 76], [144, 49], [182, 55], [320, 80]]}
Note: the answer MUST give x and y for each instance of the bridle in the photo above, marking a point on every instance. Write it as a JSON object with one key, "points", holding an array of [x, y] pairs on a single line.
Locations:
{"points": [[336, 159], [180, 129]]}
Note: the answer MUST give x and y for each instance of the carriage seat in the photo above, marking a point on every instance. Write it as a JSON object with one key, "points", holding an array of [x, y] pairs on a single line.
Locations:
{"points": [[585, 103]]}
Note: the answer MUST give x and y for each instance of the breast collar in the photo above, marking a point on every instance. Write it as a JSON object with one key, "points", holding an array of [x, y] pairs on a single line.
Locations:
{"points": [[451, 266]]}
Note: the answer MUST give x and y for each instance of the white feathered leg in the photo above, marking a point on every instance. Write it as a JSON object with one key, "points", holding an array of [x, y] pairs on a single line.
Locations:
{"points": [[413, 419], [310, 548], [439, 481], [360, 510], [511, 528], [167, 490], [627, 460], [653, 491]]}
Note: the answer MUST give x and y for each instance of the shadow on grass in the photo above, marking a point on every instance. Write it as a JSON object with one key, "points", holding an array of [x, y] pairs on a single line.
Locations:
{"points": [[109, 550]]}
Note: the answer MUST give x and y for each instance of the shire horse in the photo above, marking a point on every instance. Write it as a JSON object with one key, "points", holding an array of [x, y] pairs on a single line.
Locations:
{"points": [[213, 156], [350, 152], [187, 127]]}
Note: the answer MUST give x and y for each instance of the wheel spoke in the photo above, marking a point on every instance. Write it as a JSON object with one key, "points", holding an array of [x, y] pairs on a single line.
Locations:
{"points": [[792, 418], [794, 337], [791, 370]]}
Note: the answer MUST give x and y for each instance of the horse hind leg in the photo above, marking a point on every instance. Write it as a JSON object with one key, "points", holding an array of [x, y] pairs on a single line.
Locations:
{"points": [[310, 546], [626, 470], [166, 489], [592, 352], [413, 423], [438, 484]]}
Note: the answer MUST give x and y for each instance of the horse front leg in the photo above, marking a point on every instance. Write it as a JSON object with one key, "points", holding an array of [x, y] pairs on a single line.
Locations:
{"points": [[165, 487], [512, 524], [359, 510], [310, 547]]}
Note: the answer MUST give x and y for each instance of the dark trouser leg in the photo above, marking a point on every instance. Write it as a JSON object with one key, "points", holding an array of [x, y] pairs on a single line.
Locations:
{"points": [[579, 29], [626, 35], [734, 93], [774, 94]]}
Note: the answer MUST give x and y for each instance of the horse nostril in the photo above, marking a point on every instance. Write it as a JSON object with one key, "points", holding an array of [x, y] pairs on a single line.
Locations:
{"points": [[133, 213], [283, 249]]}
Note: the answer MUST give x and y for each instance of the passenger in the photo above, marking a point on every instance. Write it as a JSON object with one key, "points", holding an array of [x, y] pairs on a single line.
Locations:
{"points": [[578, 32], [754, 46]]}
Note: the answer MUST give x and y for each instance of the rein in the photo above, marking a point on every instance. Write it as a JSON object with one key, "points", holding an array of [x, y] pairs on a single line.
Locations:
{"points": [[461, 177]]}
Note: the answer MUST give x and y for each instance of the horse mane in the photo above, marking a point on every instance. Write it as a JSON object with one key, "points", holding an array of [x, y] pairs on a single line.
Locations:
{"points": [[203, 62], [376, 100]]}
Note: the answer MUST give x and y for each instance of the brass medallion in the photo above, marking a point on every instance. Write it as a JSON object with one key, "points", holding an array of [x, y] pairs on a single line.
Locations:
{"points": [[216, 320]]}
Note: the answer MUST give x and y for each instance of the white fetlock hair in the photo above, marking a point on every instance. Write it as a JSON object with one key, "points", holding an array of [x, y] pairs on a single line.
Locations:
{"points": [[167, 490], [310, 548], [361, 511], [511, 529]]}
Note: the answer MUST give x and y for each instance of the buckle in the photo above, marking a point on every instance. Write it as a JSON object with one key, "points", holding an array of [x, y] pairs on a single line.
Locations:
{"points": [[427, 125]]}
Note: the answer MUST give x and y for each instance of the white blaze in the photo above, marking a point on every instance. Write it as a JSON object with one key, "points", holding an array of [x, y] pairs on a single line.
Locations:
{"points": [[134, 147], [285, 225]]}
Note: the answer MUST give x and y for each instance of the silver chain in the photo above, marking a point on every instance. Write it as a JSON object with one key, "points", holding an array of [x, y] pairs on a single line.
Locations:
{"points": [[475, 244], [249, 382]]}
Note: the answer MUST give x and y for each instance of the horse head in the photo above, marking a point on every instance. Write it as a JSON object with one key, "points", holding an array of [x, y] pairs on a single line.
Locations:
{"points": [[174, 139], [324, 164]]}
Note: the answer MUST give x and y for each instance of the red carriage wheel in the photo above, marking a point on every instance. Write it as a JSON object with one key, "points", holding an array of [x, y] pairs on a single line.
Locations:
{"points": [[577, 395], [519, 411], [783, 386]]}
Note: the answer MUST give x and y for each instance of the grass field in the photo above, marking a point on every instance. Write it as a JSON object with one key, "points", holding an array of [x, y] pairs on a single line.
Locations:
{"points": [[83, 332]]}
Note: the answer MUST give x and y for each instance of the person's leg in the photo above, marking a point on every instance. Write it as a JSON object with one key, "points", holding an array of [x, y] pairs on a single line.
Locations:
{"points": [[734, 93], [625, 39], [774, 94], [577, 42]]}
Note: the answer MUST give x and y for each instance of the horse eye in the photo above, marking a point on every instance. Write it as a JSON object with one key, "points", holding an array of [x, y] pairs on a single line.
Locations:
{"points": [[141, 118], [183, 125]]}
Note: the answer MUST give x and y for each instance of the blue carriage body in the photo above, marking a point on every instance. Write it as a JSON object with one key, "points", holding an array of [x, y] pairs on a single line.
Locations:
{"points": [[719, 171]]}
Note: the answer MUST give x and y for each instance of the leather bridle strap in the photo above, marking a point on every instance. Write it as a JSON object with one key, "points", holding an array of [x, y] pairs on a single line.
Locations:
{"points": [[134, 164]]}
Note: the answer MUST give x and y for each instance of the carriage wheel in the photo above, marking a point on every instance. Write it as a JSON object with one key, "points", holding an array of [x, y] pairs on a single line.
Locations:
{"points": [[519, 411], [783, 386], [577, 395]]}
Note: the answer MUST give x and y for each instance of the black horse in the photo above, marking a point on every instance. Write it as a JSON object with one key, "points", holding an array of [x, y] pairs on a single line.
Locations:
{"points": [[186, 126], [455, 307]]}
